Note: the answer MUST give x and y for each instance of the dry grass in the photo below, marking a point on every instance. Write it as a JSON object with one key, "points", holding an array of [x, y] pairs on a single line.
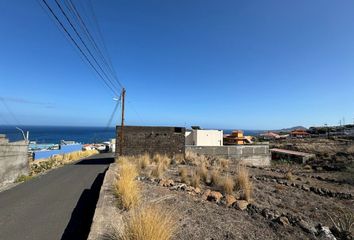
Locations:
{"points": [[158, 170], [228, 185], [144, 161], [148, 223], [184, 174], [289, 176], [214, 177], [243, 183], [195, 180], [126, 187], [224, 163], [162, 159], [343, 222], [202, 171]]}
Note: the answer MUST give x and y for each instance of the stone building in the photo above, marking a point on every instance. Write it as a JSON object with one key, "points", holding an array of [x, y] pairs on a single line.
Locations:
{"points": [[146, 139]]}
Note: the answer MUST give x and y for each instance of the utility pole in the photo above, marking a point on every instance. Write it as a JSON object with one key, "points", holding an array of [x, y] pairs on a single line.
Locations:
{"points": [[121, 136]]}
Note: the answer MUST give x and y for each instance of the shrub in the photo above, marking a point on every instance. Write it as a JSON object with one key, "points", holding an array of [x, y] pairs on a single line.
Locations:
{"points": [[289, 176], [228, 185], [214, 177], [184, 175], [148, 223], [126, 187], [343, 224], [224, 163], [195, 180], [202, 171], [158, 170], [23, 178], [243, 183], [164, 160], [144, 161]]}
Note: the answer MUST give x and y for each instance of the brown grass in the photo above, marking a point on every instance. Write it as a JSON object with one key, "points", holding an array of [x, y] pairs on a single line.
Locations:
{"points": [[243, 183], [162, 159], [195, 180], [202, 171], [289, 176], [224, 163], [144, 161], [228, 185], [148, 223], [214, 177], [126, 187], [184, 174], [158, 170]]}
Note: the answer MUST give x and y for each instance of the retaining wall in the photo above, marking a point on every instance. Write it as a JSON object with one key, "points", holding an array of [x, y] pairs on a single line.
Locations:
{"points": [[13, 160], [256, 155]]}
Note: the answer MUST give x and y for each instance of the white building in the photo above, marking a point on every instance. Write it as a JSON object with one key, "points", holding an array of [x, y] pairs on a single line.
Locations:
{"points": [[200, 137]]}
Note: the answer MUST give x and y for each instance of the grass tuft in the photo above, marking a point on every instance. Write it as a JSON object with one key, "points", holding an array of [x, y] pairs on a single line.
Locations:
{"points": [[228, 185], [126, 187], [243, 183], [148, 223], [184, 174], [195, 179], [202, 171]]}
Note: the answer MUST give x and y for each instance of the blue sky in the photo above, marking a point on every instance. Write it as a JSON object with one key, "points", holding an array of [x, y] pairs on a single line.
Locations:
{"points": [[223, 64]]}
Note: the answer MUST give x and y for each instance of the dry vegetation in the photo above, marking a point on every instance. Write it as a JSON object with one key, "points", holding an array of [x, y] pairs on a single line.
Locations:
{"points": [[42, 165], [142, 221], [126, 186], [149, 223], [243, 183], [234, 201]]}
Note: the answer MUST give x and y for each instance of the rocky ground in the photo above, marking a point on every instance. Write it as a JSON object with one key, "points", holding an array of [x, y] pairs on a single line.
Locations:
{"points": [[298, 205], [331, 154]]}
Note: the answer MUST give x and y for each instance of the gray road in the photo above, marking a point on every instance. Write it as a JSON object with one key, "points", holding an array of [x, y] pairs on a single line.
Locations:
{"points": [[57, 205]]}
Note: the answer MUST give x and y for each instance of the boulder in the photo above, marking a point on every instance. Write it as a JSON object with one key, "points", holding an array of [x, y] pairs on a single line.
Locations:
{"points": [[206, 194], [214, 196], [166, 182], [283, 220], [241, 205], [229, 200]]}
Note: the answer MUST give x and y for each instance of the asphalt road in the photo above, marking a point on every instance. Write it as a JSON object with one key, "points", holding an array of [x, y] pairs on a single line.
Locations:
{"points": [[57, 205]]}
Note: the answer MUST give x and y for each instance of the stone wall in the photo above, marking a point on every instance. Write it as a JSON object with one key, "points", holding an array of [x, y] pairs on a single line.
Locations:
{"points": [[163, 140], [256, 155], [13, 160]]}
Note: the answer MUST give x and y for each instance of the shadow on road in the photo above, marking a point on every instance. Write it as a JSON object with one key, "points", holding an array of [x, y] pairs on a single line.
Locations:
{"points": [[94, 161], [81, 218]]}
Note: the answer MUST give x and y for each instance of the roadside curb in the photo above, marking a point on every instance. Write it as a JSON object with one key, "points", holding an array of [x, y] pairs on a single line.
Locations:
{"points": [[107, 215]]}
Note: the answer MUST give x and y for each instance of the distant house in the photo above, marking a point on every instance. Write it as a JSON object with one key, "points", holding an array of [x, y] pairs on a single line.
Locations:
{"points": [[299, 133], [272, 135], [237, 138]]}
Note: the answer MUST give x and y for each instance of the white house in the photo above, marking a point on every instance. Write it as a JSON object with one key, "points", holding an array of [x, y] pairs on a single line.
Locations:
{"points": [[199, 137]]}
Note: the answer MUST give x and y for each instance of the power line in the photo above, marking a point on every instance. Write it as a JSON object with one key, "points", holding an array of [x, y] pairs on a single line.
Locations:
{"points": [[106, 60], [62, 27], [82, 41], [10, 111]]}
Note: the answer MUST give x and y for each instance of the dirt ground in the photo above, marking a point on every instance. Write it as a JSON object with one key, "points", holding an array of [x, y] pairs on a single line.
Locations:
{"points": [[299, 207]]}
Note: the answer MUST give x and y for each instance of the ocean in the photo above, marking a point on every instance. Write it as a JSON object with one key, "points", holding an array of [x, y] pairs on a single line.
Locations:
{"points": [[56, 134], [46, 134]]}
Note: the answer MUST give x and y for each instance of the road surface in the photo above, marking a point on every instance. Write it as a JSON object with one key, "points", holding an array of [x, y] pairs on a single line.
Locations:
{"points": [[56, 205]]}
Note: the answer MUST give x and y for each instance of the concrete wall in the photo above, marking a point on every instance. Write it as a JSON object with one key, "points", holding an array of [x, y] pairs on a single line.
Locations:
{"points": [[163, 140], [256, 155], [13, 160], [189, 138]]}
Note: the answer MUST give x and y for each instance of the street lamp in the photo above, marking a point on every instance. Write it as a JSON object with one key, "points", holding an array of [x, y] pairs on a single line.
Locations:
{"points": [[26, 138]]}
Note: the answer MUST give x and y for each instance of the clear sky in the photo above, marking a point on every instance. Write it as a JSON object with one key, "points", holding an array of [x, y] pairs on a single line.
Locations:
{"points": [[223, 64]]}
